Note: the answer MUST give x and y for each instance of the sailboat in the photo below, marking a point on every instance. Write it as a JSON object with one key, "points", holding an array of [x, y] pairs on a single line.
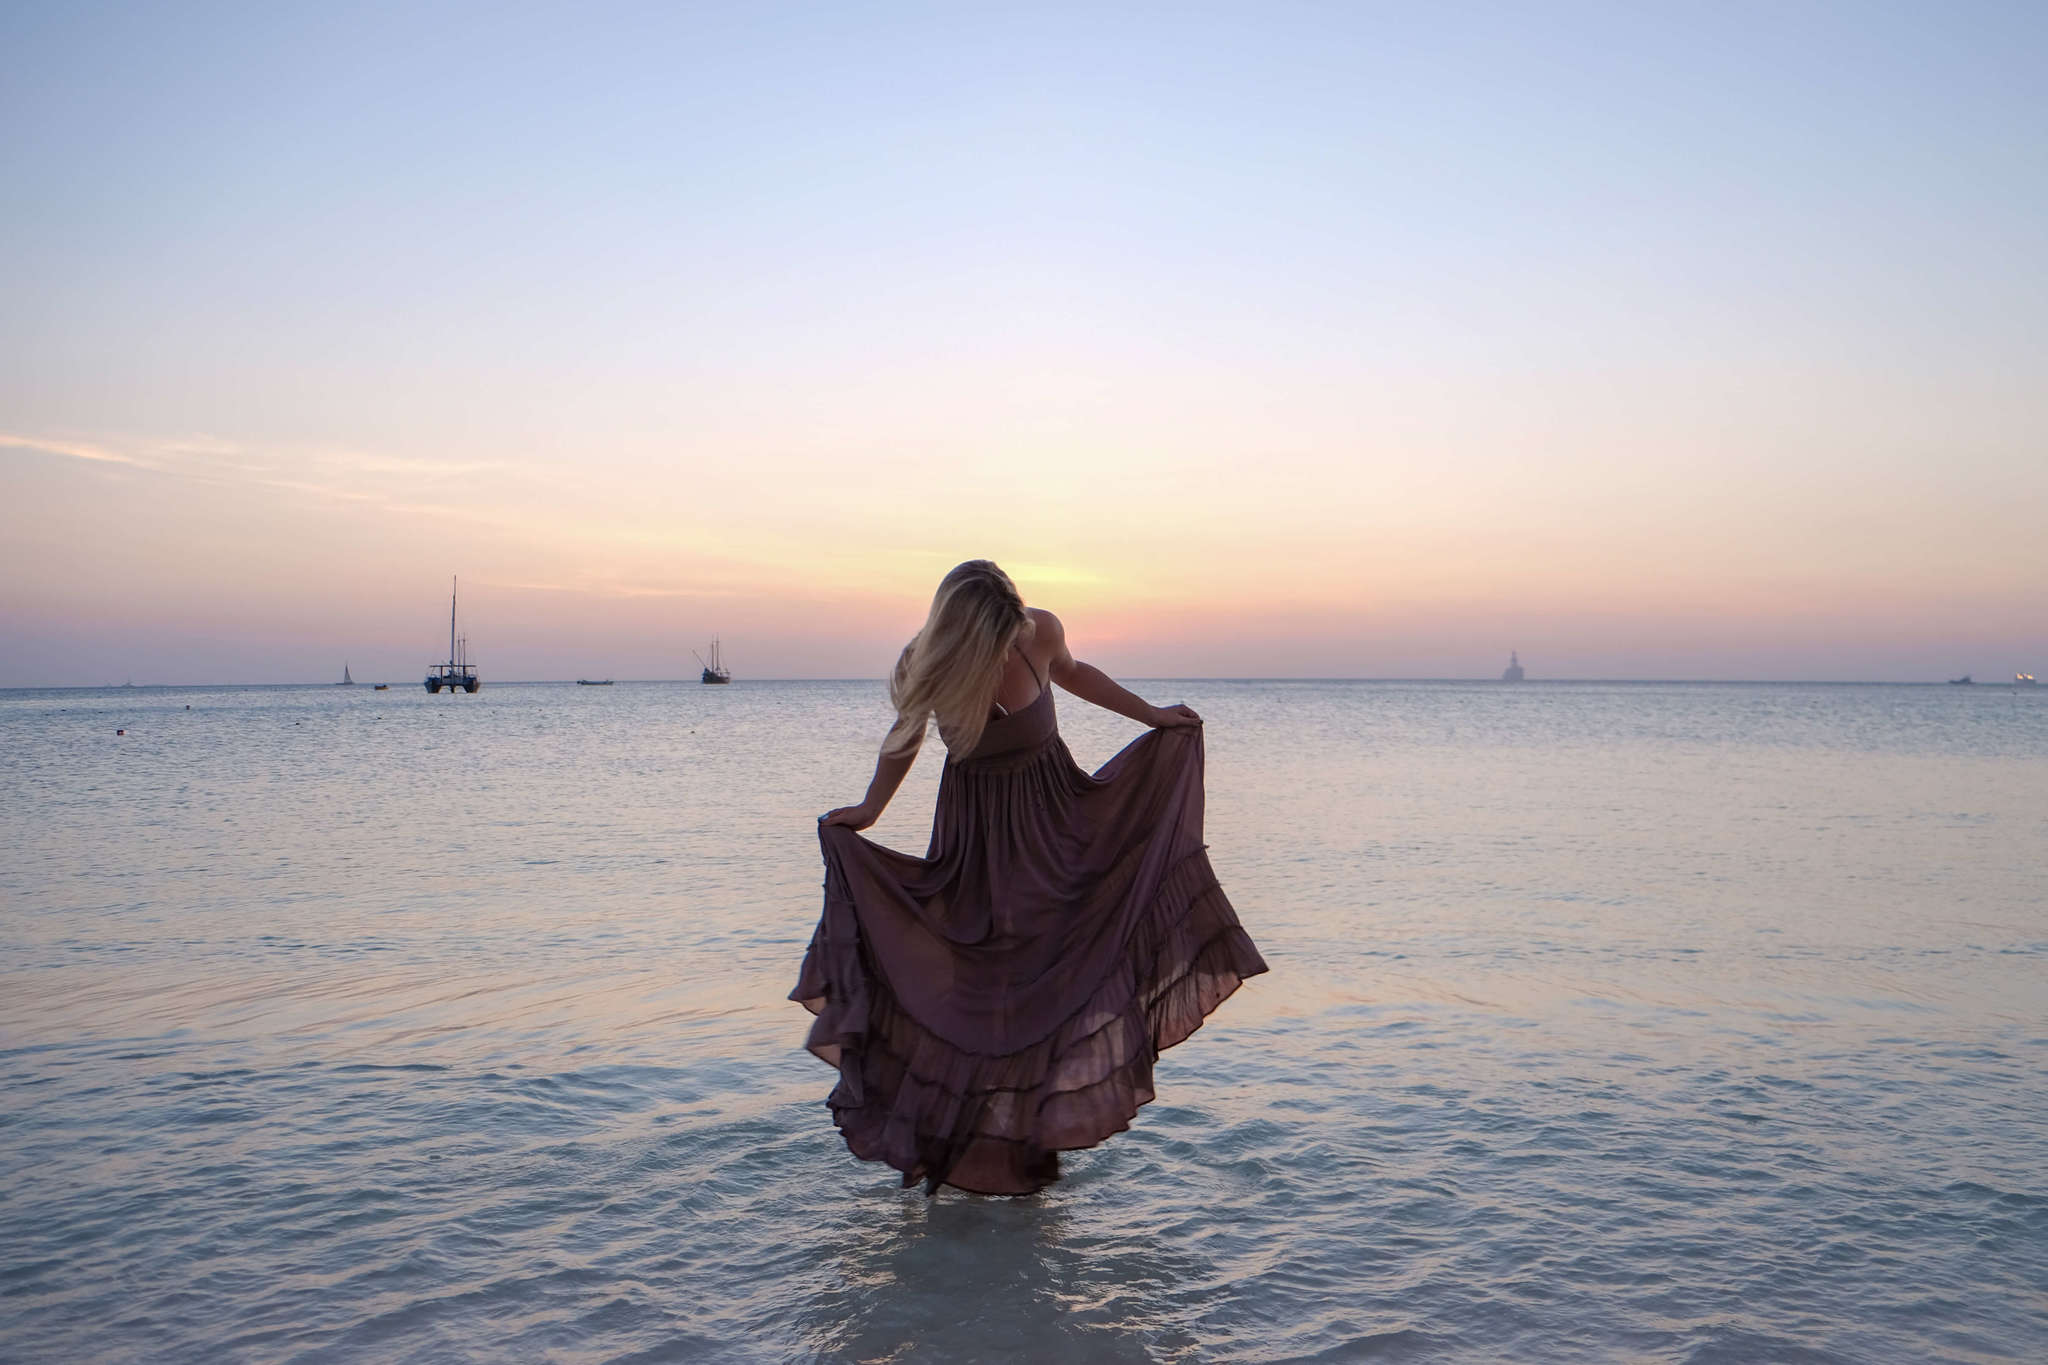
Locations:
{"points": [[458, 674], [346, 680], [715, 670], [1513, 672]]}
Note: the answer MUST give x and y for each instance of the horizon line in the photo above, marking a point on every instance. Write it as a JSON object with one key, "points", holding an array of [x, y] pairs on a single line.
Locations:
{"points": [[1134, 677]]}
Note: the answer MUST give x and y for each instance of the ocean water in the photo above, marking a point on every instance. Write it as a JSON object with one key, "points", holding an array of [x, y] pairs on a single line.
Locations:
{"points": [[1606, 1022]]}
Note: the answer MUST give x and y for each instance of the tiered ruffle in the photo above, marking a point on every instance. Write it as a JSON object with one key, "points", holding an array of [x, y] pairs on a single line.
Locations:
{"points": [[944, 1114]]}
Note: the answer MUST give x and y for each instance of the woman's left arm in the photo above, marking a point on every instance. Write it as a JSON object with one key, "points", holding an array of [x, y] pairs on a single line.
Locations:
{"points": [[1091, 684]]}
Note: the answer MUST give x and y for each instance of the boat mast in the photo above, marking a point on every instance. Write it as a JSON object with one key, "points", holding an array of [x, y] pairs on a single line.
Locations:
{"points": [[452, 582]]}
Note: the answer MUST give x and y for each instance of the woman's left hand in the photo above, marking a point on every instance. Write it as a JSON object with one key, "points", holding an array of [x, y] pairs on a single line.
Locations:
{"points": [[853, 817], [1173, 717]]}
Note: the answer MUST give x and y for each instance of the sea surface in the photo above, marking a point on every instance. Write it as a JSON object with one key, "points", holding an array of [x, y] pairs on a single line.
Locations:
{"points": [[1605, 1022]]}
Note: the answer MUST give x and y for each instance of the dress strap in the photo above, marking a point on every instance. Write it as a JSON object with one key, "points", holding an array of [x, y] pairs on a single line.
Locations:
{"points": [[998, 710]]}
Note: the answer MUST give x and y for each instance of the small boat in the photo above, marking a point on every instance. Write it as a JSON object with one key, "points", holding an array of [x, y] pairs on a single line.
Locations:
{"points": [[593, 682], [458, 674], [1965, 681], [346, 680], [381, 687], [715, 670], [1513, 672]]}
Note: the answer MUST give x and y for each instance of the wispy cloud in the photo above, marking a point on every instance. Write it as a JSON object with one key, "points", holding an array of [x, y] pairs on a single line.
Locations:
{"points": [[616, 589], [1054, 573], [552, 518], [77, 450], [349, 476], [356, 462], [318, 490]]}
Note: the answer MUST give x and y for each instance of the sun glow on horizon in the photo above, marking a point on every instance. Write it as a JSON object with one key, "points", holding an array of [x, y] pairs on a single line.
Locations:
{"points": [[1391, 341]]}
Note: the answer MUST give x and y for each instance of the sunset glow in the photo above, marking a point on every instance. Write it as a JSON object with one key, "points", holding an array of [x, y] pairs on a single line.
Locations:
{"points": [[1299, 343]]}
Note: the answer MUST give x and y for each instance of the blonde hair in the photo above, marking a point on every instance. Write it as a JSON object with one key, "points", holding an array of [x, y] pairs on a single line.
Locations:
{"points": [[951, 668]]}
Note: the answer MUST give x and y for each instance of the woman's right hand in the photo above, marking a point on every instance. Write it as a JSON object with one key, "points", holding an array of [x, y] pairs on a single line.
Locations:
{"points": [[853, 817]]}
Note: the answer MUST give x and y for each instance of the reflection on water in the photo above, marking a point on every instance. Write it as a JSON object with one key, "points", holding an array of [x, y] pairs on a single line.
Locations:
{"points": [[1690, 1023]]}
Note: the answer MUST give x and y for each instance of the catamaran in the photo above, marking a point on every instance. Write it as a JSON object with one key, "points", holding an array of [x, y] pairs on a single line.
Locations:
{"points": [[458, 674]]}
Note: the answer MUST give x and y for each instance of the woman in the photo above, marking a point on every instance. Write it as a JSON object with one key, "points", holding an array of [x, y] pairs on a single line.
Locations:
{"points": [[1003, 998]]}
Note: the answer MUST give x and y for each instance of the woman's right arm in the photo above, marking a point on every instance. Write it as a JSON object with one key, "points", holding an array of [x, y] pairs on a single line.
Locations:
{"points": [[889, 771]]}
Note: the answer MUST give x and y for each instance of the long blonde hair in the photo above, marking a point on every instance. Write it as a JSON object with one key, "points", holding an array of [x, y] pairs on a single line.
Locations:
{"points": [[952, 668]]}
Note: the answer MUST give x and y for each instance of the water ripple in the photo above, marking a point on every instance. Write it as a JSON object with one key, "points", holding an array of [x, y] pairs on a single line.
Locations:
{"points": [[1689, 1025]]}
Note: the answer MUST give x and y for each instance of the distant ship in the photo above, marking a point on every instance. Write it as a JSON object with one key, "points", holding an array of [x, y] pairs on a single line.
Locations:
{"points": [[1965, 681], [2024, 680], [346, 680], [593, 682], [1513, 672], [458, 674], [715, 670]]}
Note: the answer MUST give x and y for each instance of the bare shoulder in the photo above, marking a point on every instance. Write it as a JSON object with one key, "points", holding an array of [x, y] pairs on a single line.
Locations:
{"points": [[1049, 642]]}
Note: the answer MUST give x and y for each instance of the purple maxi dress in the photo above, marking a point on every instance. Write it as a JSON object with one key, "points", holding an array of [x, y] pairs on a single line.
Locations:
{"points": [[1003, 998]]}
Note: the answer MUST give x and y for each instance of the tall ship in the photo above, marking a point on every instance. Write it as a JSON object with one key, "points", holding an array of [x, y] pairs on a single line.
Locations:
{"points": [[458, 674], [1513, 672], [715, 670]]}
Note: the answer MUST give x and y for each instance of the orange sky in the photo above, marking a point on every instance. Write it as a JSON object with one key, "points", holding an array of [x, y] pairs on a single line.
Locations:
{"points": [[211, 565]]}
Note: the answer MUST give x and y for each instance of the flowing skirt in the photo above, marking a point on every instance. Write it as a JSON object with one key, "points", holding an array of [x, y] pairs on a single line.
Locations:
{"points": [[1003, 999]]}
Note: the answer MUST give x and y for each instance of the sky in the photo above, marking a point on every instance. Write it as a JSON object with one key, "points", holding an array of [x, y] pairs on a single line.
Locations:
{"points": [[1349, 340]]}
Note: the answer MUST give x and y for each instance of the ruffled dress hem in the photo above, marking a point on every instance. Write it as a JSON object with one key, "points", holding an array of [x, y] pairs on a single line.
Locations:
{"points": [[944, 1114]]}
